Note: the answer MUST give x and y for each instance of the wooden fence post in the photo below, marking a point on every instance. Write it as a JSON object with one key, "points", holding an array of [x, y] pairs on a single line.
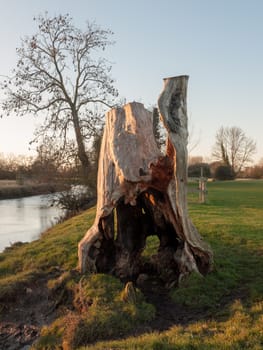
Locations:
{"points": [[202, 187]]}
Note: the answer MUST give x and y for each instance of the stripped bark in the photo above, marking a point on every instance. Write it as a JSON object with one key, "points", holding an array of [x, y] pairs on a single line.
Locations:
{"points": [[148, 190]]}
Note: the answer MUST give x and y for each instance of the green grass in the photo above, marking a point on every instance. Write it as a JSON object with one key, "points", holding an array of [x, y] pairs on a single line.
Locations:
{"points": [[232, 222], [56, 248], [229, 300], [101, 313], [231, 297]]}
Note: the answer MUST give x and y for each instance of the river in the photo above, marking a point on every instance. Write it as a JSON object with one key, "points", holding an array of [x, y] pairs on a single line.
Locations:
{"points": [[24, 219]]}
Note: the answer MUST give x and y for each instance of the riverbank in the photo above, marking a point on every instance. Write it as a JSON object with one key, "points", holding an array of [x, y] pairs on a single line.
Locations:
{"points": [[24, 219], [10, 189]]}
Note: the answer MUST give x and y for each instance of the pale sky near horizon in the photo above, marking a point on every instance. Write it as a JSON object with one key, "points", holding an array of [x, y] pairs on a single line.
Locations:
{"points": [[218, 43]]}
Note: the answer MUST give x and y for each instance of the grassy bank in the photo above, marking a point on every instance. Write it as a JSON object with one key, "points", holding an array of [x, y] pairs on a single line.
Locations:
{"points": [[224, 310]]}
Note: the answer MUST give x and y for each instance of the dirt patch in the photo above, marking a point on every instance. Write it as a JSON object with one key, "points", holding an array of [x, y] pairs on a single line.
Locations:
{"points": [[17, 336], [22, 318]]}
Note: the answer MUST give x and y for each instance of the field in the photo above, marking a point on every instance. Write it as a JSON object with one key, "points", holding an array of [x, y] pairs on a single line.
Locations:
{"points": [[8, 183], [11, 189], [223, 311]]}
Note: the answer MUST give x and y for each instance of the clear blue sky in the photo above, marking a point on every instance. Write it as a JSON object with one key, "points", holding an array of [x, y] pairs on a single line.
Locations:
{"points": [[218, 43]]}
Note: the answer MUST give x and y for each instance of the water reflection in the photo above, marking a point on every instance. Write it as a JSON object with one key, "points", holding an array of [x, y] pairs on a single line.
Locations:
{"points": [[24, 219], [19, 209]]}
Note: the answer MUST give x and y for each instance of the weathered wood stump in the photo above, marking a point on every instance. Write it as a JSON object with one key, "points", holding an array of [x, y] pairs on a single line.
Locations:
{"points": [[142, 192]]}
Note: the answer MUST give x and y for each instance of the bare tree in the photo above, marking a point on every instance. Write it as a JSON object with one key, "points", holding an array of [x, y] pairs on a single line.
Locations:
{"points": [[59, 75], [233, 148]]}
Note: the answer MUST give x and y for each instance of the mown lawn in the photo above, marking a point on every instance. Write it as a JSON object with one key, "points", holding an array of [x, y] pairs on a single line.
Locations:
{"points": [[229, 300]]}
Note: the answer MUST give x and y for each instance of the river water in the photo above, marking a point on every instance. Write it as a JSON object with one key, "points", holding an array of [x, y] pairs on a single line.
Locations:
{"points": [[24, 219]]}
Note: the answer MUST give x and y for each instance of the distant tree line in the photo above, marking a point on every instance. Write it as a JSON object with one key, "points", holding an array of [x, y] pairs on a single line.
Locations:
{"points": [[219, 171], [56, 163]]}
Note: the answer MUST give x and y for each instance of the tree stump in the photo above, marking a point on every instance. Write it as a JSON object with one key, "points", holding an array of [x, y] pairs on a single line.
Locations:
{"points": [[142, 192]]}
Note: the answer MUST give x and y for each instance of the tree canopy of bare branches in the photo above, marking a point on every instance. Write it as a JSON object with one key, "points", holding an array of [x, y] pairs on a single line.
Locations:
{"points": [[233, 148], [60, 75]]}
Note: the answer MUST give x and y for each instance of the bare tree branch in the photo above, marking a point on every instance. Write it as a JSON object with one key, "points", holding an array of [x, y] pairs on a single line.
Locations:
{"points": [[233, 148], [56, 73]]}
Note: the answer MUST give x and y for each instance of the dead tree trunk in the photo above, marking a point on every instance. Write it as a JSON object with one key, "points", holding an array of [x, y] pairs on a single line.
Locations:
{"points": [[145, 192]]}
